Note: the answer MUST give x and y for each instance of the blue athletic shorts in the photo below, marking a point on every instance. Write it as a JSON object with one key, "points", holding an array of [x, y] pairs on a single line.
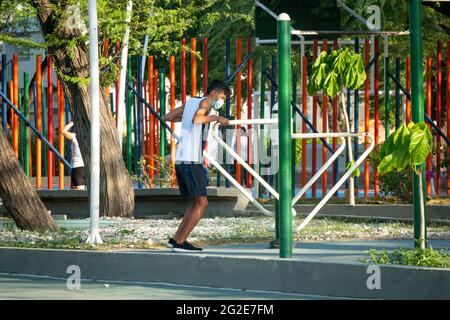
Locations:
{"points": [[192, 179]]}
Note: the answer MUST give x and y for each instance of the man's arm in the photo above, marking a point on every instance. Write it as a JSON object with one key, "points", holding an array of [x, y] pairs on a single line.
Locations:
{"points": [[201, 116], [65, 131], [175, 115]]}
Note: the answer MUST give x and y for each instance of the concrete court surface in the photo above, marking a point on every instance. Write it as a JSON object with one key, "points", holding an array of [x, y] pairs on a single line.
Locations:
{"points": [[252, 261], [50, 288]]}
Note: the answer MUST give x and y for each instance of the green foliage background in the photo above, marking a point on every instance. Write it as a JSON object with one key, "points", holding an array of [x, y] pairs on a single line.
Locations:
{"points": [[167, 21]]}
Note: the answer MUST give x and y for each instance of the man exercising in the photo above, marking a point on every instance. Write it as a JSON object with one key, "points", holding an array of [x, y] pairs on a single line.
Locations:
{"points": [[191, 175]]}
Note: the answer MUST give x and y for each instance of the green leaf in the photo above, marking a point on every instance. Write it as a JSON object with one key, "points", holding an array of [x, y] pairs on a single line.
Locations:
{"points": [[420, 146], [402, 137], [387, 147], [331, 85], [401, 159], [321, 75], [386, 165], [356, 172]]}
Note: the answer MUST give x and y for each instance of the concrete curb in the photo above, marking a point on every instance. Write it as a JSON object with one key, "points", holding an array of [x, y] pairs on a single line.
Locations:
{"points": [[271, 274], [157, 202]]}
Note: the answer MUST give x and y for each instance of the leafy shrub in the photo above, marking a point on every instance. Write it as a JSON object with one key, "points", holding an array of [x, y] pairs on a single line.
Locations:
{"points": [[411, 257]]}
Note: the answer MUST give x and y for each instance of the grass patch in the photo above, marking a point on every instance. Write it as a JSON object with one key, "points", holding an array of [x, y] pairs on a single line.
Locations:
{"points": [[410, 257]]}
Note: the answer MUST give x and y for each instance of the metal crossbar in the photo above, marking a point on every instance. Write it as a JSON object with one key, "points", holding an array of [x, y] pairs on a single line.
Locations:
{"points": [[324, 167], [341, 181]]}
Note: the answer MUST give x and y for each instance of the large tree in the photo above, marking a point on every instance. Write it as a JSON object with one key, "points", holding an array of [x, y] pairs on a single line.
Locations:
{"points": [[165, 22], [70, 54], [18, 195]]}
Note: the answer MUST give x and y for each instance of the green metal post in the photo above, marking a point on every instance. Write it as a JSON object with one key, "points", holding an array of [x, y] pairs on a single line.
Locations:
{"points": [[397, 93], [26, 144], [21, 135], [128, 148], [417, 104], [261, 115], [284, 133], [162, 113], [387, 98]]}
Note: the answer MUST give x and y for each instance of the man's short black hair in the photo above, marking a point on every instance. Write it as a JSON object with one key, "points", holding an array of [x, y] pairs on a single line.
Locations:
{"points": [[218, 86]]}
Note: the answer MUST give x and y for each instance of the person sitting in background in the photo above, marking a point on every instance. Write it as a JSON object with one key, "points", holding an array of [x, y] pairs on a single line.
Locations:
{"points": [[77, 174]]}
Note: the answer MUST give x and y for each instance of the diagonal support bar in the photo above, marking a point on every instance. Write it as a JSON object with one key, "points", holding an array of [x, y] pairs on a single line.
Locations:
{"points": [[28, 123]]}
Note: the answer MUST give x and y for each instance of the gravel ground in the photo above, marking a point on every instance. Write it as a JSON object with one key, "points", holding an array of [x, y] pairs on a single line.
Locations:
{"points": [[153, 233]]}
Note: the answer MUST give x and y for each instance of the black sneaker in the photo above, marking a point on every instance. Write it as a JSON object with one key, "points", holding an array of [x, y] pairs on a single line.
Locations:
{"points": [[185, 247], [190, 245], [171, 243]]}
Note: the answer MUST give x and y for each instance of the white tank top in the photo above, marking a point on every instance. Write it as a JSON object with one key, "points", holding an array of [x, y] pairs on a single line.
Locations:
{"points": [[77, 160], [190, 146]]}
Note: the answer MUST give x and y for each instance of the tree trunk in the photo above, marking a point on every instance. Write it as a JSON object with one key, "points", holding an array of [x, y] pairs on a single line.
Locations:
{"points": [[116, 189], [18, 194]]}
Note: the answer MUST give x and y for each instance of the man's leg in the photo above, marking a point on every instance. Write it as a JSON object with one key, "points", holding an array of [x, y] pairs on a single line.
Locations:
{"points": [[182, 225], [192, 218]]}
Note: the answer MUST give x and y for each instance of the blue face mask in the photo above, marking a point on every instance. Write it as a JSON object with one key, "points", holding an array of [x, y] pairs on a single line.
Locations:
{"points": [[218, 104]]}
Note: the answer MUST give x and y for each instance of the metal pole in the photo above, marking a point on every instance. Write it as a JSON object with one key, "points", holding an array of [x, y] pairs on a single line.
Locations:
{"points": [[294, 142], [262, 104], [14, 120], [38, 117], [387, 102], [50, 122], [366, 118], [25, 129], [227, 112], [162, 113], [193, 67], [397, 93], [4, 91], [123, 74], [376, 114], [44, 130], [324, 128], [273, 87], [238, 107], [314, 121], [144, 55], [139, 134], [94, 90], [448, 113], [60, 136], [172, 107], [408, 89], [356, 120], [305, 111], [183, 71], [429, 93], [151, 92], [417, 104], [128, 147], [438, 115], [249, 109], [284, 128]]}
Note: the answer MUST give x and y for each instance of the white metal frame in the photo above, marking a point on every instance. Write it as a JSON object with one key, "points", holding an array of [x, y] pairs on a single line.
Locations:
{"points": [[297, 197]]}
